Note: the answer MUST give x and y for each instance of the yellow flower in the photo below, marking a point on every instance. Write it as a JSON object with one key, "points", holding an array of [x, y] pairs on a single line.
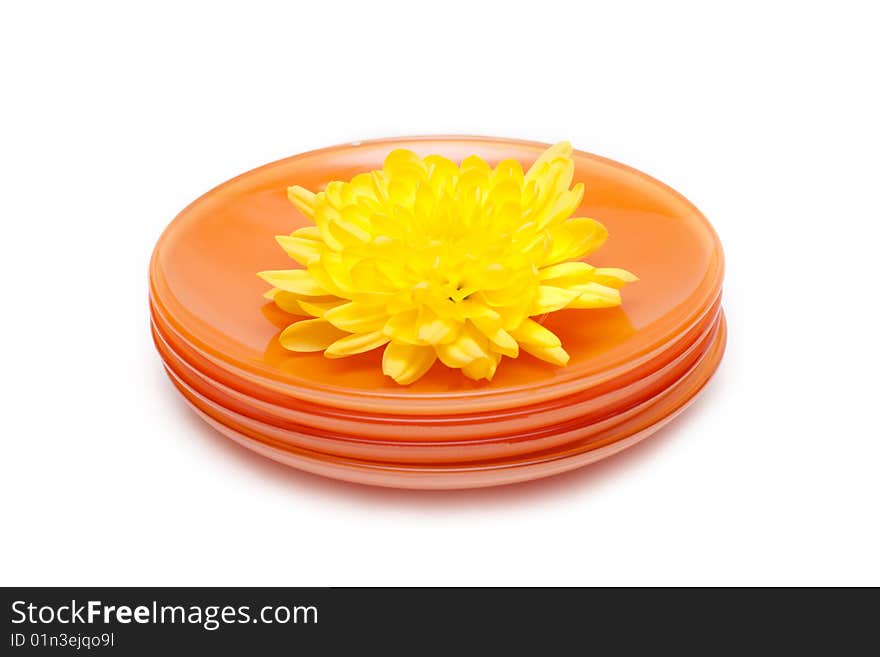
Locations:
{"points": [[437, 261]]}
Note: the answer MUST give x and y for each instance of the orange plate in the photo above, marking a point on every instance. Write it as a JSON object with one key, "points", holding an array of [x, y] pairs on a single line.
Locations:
{"points": [[502, 434], [430, 427], [203, 282], [552, 433], [474, 475]]}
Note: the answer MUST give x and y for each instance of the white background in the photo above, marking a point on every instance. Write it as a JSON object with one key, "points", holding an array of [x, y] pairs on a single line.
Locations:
{"points": [[113, 119]]}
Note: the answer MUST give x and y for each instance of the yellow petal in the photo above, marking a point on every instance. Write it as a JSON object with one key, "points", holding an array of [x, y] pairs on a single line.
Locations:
{"points": [[434, 329], [475, 163], [298, 281], [514, 315], [482, 368], [300, 249], [361, 188], [380, 183], [318, 308], [442, 173], [465, 349], [473, 309], [560, 150], [348, 233], [574, 238], [335, 288], [566, 272], [492, 276], [310, 335], [303, 199], [509, 170], [562, 208], [530, 333], [307, 233], [402, 161], [323, 217], [402, 327], [298, 304], [369, 277], [613, 277], [549, 299], [357, 317], [502, 341], [337, 268], [407, 363], [356, 344], [424, 203], [518, 289], [594, 295], [333, 194], [288, 302], [548, 178], [555, 355]]}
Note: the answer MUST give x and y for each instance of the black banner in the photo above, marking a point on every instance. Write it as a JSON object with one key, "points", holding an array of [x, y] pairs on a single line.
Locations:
{"points": [[149, 621]]}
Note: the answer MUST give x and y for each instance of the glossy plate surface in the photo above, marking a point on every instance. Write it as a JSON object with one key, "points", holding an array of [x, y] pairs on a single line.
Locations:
{"points": [[424, 427], [554, 434], [534, 465], [203, 283], [502, 431]]}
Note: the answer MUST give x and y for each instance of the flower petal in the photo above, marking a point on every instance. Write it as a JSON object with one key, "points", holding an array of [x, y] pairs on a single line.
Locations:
{"points": [[574, 238], [434, 329], [482, 368], [476, 163], [594, 295], [324, 215], [318, 308], [559, 151], [547, 179], [530, 333], [303, 199], [549, 299], [566, 272], [356, 317], [407, 363], [442, 173], [288, 302], [369, 277], [613, 277], [502, 341], [509, 170], [308, 233], [402, 327], [297, 304], [470, 309], [466, 348], [310, 335], [555, 355], [298, 281], [300, 249], [333, 193], [561, 208], [334, 272], [402, 161], [356, 344]]}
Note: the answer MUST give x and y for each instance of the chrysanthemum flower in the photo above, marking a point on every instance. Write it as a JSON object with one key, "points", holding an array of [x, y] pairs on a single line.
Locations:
{"points": [[431, 260]]}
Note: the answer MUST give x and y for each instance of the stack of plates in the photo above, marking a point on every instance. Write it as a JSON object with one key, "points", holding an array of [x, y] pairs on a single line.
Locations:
{"points": [[632, 369]]}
